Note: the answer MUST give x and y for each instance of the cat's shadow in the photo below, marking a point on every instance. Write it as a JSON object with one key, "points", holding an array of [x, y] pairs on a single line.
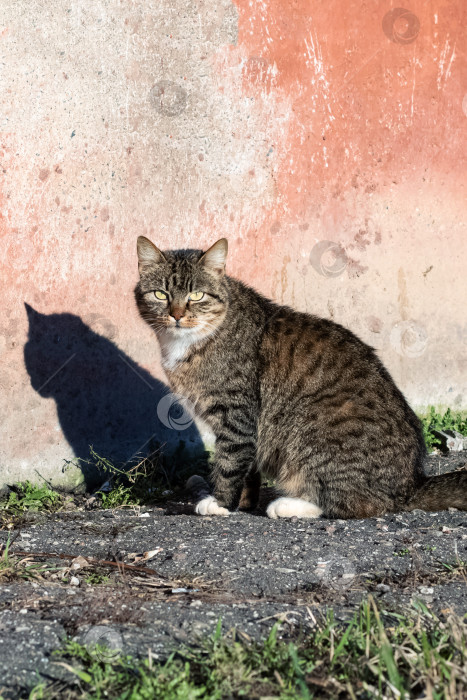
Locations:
{"points": [[103, 397]]}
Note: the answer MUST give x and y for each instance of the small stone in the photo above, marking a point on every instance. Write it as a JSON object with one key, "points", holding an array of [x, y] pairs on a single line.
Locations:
{"points": [[426, 590], [79, 563], [74, 581], [451, 440], [383, 587]]}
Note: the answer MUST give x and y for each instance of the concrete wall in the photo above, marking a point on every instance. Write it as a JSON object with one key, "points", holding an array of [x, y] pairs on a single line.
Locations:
{"points": [[324, 140]]}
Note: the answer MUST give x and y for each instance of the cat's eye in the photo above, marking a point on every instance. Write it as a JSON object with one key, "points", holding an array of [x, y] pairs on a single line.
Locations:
{"points": [[160, 295], [196, 296]]}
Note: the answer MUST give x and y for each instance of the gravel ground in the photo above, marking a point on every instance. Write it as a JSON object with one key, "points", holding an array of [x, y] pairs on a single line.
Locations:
{"points": [[246, 570]]}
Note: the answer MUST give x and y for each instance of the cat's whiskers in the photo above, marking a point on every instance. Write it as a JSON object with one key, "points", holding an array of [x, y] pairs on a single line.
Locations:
{"points": [[154, 322], [157, 327]]}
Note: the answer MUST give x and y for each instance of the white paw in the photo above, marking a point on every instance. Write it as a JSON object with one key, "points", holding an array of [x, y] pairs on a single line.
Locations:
{"points": [[290, 507], [209, 506]]}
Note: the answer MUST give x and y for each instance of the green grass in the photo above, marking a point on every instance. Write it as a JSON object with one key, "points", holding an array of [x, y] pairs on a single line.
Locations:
{"points": [[26, 497], [375, 655], [457, 566], [436, 420], [97, 578]]}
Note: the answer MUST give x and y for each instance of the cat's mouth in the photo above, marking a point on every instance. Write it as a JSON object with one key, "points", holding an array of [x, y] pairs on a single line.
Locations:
{"points": [[178, 325], [182, 325]]}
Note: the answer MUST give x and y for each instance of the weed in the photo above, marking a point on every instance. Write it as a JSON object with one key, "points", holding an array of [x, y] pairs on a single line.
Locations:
{"points": [[457, 567], [13, 567], [96, 579], [375, 655], [25, 497], [401, 553], [151, 480]]}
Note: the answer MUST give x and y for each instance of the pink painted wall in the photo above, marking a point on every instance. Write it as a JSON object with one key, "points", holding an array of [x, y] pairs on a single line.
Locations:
{"points": [[324, 140]]}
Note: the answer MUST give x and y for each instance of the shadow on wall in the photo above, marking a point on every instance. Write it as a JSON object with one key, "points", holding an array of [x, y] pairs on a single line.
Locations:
{"points": [[103, 397]]}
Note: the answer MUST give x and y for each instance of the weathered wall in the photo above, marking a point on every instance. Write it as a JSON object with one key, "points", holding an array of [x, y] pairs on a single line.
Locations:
{"points": [[323, 139]]}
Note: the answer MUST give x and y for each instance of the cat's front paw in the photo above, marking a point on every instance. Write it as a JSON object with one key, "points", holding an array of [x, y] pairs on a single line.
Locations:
{"points": [[292, 507], [209, 506]]}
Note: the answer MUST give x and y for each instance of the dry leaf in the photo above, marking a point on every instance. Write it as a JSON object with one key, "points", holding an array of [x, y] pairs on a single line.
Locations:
{"points": [[135, 557]]}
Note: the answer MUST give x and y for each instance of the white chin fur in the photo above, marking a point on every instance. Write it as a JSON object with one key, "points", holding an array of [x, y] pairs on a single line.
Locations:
{"points": [[175, 343], [209, 506], [290, 507]]}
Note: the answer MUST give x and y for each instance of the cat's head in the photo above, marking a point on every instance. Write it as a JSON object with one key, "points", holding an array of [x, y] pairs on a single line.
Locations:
{"points": [[182, 291]]}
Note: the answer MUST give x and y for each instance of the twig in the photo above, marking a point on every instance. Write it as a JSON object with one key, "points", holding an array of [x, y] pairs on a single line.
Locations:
{"points": [[92, 560]]}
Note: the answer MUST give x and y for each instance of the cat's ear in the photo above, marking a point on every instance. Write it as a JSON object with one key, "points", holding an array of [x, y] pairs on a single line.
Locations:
{"points": [[214, 258], [148, 254], [31, 313]]}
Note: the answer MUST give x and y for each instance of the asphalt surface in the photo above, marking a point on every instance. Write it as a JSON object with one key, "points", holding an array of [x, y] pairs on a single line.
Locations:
{"points": [[245, 569]]}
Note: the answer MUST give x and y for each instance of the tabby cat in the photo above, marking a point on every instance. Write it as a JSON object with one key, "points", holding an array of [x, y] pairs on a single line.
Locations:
{"points": [[295, 397]]}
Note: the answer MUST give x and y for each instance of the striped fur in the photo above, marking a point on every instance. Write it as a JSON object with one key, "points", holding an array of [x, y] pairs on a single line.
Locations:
{"points": [[296, 397]]}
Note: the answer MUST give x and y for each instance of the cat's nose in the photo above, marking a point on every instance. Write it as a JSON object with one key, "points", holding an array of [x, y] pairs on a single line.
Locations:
{"points": [[177, 313]]}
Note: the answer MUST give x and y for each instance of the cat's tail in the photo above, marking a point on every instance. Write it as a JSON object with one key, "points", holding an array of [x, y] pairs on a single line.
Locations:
{"points": [[441, 492]]}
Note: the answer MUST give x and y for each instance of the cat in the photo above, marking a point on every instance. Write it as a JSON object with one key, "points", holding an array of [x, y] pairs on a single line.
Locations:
{"points": [[295, 397]]}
